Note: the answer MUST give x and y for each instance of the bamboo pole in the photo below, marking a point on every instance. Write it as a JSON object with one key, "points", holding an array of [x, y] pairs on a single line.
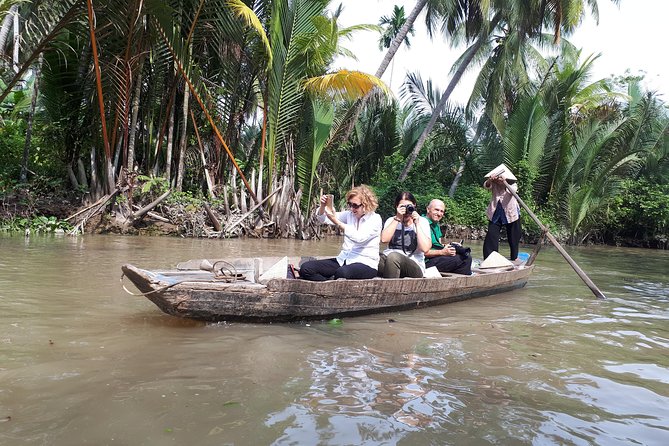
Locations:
{"points": [[557, 245]]}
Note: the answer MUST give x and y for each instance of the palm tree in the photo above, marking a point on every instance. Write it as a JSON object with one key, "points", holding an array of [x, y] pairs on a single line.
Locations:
{"points": [[391, 27], [477, 22]]}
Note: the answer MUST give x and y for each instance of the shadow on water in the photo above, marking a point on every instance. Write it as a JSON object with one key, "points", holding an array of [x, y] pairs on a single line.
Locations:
{"points": [[82, 362]]}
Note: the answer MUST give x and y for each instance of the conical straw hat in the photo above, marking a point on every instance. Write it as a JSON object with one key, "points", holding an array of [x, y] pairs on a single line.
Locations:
{"points": [[495, 260], [501, 171]]}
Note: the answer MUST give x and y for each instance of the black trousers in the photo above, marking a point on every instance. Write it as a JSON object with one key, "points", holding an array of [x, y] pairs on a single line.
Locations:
{"points": [[326, 269], [491, 242], [451, 264]]}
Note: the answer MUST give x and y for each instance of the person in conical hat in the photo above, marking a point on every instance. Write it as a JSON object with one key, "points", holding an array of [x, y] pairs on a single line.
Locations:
{"points": [[503, 211]]}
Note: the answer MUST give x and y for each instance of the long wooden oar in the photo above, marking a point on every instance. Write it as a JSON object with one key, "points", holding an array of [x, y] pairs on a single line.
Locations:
{"points": [[557, 245]]}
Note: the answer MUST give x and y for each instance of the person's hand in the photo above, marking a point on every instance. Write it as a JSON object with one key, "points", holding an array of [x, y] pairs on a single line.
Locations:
{"points": [[401, 210], [324, 200], [415, 216], [448, 250]]}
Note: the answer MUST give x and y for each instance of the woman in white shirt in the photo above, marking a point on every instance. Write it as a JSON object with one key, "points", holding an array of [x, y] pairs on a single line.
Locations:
{"points": [[408, 238], [359, 256]]}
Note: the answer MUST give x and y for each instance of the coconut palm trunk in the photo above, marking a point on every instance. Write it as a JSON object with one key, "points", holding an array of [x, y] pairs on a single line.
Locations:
{"points": [[399, 38], [130, 162], [469, 56], [182, 143], [7, 23], [343, 133], [31, 120]]}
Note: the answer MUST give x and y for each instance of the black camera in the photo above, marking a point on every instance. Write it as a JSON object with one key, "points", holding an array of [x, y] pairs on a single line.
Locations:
{"points": [[410, 209]]}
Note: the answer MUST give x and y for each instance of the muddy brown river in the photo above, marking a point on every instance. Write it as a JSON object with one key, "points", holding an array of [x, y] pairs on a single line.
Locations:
{"points": [[84, 363]]}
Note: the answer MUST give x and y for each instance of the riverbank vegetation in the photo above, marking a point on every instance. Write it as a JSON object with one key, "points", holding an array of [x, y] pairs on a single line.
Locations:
{"points": [[229, 118]]}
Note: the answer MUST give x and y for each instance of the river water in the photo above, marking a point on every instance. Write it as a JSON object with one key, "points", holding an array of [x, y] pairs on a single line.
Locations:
{"points": [[84, 363]]}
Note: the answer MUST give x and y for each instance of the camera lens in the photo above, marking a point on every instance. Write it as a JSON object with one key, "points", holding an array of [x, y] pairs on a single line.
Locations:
{"points": [[410, 209]]}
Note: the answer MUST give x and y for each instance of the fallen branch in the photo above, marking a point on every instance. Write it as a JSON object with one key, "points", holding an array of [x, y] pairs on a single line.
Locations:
{"points": [[155, 216], [212, 217], [229, 227], [143, 211]]}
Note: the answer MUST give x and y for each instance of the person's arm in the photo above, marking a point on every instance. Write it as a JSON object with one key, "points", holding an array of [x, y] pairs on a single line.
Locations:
{"points": [[335, 217], [422, 232], [389, 229], [391, 224], [447, 250]]}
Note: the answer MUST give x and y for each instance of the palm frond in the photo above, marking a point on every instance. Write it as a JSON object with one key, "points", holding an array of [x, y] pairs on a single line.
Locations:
{"points": [[345, 85], [242, 11]]}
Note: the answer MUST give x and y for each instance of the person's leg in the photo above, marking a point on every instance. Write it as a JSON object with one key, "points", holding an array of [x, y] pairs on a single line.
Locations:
{"points": [[382, 265], [319, 270], [409, 268], [513, 234], [355, 271], [465, 266], [451, 264], [392, 265], [491, 242], [445, 264]]}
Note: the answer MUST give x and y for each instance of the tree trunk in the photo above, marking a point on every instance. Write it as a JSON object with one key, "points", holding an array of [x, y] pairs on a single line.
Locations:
{"points": [[463, 162], [456, 180], [399, 38], [182, 142], [95, 182], [133, 119], [168, 153], [6, 26], [15, 57], [469, 56], [205, 165], [343, 132], [31, 120]]}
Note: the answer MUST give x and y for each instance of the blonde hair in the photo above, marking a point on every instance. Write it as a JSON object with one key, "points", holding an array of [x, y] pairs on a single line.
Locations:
{"points": [[367, 197]]}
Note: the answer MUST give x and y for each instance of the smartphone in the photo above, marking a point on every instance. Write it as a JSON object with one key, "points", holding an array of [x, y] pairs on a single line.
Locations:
{"points": [[330, 201]]}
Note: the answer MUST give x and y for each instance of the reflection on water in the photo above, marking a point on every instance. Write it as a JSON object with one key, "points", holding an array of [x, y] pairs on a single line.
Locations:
{"points": [[81, 362]]}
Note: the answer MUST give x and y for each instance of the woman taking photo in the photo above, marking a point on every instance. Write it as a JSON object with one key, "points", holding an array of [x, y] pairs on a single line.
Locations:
{"points": [[408, 238], [359, 256]]}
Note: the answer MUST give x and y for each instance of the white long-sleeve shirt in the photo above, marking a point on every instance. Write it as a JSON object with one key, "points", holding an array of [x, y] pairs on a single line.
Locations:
{"points": [[361, 238]]}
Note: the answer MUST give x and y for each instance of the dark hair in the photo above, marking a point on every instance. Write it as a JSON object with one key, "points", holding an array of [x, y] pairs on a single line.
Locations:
{"points": [[405, 196]]}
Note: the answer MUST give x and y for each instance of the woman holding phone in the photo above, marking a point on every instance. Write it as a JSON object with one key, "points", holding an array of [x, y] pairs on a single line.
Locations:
{"points": [[359, 256]]}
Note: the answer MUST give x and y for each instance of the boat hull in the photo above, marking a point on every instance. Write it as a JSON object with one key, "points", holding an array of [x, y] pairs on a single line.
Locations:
{"points": [[197, 295]]}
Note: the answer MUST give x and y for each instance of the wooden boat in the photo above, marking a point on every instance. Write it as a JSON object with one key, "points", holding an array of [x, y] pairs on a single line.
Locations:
{"points": [[256, 290]]}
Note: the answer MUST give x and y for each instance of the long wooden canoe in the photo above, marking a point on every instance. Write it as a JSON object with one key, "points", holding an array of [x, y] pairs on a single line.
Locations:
{"points": [[247, 294]]}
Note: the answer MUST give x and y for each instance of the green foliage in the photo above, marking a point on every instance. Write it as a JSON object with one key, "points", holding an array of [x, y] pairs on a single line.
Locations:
{"points": [[639, 211], [154, 185], [186, 199], [39, 224], [468, 206], [423, 187], [12, 140]]}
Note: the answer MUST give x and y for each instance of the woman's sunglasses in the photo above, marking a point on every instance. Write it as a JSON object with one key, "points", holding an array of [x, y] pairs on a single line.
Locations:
{"points": [[353, 205]]}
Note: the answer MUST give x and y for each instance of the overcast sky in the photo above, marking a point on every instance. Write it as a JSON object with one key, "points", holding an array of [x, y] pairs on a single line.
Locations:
{"points": [[630, 37]]}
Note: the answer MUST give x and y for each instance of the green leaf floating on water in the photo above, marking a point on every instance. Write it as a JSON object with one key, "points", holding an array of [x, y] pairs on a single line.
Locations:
{"points": [[231, 403], [335, 322]]}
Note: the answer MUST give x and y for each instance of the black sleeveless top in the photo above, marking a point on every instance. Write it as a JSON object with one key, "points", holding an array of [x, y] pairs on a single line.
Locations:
{"points": [[404, 239]]}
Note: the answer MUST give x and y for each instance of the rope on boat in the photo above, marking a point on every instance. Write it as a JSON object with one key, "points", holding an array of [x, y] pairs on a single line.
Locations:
{"points": [[158, 290], [226, 271]]}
